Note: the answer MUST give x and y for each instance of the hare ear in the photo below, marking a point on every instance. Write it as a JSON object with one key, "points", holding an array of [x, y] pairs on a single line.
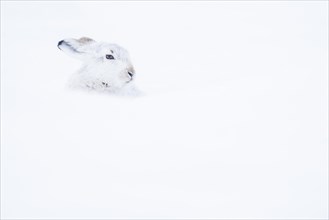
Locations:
{"points": [[79, 49], [85, 40]]}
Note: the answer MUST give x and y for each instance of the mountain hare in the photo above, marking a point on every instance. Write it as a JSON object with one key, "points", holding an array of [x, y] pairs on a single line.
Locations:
{"points": [[106, 67]]}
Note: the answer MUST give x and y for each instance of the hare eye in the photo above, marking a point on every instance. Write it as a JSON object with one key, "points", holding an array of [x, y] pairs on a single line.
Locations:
{"points": [[109, 57]]}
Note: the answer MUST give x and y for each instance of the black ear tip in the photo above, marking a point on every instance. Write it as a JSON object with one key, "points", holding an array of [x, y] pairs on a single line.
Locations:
{"points": [[59, 43]]}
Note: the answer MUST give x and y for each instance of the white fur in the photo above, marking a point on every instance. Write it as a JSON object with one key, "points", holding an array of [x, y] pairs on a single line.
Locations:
{"points": [[97, 72]]}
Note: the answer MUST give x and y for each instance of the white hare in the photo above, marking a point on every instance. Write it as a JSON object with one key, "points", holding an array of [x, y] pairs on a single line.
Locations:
{"points": [[106, 67]]}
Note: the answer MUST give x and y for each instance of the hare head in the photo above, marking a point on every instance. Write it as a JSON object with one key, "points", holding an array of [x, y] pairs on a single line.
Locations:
{"points": [[106, 67]]}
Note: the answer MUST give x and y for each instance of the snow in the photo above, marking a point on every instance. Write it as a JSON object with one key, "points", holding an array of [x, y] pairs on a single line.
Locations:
{"points": [[232, 124]]}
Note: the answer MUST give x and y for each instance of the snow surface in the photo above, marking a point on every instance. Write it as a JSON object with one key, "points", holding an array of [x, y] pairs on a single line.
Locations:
{"points": [[232, 124]]}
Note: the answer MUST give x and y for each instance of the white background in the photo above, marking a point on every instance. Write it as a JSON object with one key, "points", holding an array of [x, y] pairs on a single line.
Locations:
{"points": [[232, 124]]}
